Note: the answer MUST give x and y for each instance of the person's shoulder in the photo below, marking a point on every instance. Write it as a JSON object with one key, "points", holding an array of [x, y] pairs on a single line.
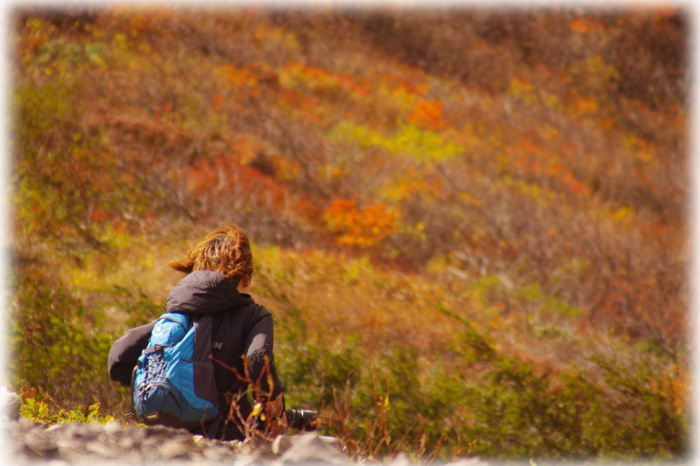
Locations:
{"points": [[262, 311], [254, 307]]}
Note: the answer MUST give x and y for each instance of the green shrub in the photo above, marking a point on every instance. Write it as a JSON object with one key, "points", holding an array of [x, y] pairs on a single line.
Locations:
{"points": [[650, 423], [519, 411], [57, 346], [475, 400], [312, 372]]}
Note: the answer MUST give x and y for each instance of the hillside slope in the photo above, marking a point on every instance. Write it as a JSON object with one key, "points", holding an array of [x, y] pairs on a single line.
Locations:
{"points": [[448, 207]]}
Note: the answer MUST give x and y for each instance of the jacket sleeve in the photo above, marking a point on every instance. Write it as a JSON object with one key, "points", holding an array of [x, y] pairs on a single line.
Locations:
{"points": [[261, 362], [125, 353]]}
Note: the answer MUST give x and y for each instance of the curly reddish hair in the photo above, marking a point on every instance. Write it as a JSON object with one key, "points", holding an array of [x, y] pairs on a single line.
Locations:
{"points": [[225, 250]]}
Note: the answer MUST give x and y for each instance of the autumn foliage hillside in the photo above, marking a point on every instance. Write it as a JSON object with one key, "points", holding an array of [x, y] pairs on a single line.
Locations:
{"points": [[471, 225]]}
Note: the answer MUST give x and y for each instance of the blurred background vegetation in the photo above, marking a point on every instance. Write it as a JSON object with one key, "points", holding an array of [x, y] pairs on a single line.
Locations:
{"points": [[470, 224]]}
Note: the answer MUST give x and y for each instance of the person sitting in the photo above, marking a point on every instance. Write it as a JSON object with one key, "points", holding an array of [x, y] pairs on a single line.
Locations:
{"points": [[218, 273]]}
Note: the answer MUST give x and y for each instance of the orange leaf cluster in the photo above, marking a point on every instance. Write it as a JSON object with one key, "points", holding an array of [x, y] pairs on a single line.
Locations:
{"points": [[239, 77], [364, 227], [585, 26], [675, 388], [321, 79], [217, 102], [428, 115], [303, 105], [244, 147], [585, 106], [226, 175], [567, 179]]}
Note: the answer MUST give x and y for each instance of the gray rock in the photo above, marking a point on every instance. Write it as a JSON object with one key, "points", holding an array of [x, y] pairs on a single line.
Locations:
{"points": [[311, 448], [40, 445], [402, 459], [103, 449], [467, 462], [9, 404]]}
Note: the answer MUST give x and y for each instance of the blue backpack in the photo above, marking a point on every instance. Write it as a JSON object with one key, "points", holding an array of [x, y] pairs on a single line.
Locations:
{"points": [[173, 381]]}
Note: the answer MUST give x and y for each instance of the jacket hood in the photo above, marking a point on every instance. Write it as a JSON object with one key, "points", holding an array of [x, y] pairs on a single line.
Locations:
{"points": [[205, 292]]}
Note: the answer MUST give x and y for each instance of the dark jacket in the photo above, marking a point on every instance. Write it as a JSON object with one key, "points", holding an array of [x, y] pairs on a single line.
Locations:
{"points": [[241, 328]]}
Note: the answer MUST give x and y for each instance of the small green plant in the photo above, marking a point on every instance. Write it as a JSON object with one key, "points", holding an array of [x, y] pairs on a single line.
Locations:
{"points": [[40, 411]]}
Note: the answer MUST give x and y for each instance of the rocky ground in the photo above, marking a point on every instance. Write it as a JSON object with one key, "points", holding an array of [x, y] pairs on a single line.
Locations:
{"points": [[116, 443], [28, 442]]}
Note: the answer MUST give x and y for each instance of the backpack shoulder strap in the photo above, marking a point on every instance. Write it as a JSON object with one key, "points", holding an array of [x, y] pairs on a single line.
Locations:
{"points": [[205, 382], [125, 352], [203, 337]]}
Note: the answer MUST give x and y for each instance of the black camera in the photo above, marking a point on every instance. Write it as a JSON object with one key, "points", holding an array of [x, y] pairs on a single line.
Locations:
{"points": [[301, 419]]}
